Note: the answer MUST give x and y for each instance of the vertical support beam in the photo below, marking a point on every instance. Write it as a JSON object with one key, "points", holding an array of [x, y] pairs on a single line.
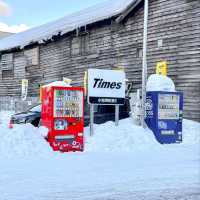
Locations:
{"points": [[144, 63], [91, 119], [116, 115]]}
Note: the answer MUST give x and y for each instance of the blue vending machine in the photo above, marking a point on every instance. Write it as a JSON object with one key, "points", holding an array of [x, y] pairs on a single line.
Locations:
{"points": [[164, 115]]}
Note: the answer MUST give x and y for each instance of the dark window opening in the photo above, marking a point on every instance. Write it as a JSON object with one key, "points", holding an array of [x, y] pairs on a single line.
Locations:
{"points": [[7, 74], [80, 45], [139, 52]]}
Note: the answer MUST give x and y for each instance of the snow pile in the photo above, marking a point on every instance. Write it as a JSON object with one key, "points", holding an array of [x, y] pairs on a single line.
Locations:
{"points": [[191, 132], [126, 137], [22, 140], [28, 141], [66, 24], [5, 117], [57, 83], [160, 83]]}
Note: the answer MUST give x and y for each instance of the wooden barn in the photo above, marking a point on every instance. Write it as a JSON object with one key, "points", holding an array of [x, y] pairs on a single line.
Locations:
{"points": [[107, 35]]}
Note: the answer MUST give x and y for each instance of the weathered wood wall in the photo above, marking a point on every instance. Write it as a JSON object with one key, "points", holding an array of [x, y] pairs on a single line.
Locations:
{"points": [[174, 36]]}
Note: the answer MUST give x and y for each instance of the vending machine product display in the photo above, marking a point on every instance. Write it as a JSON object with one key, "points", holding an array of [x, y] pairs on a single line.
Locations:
{"points": [[164, 114], [62, 113]]}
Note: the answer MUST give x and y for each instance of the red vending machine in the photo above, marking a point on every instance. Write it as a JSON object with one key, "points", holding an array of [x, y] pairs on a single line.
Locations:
{"points": [[62, 113]]}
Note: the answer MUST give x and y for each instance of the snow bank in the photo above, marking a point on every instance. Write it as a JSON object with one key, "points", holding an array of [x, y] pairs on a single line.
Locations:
{"points": [[5, 116], [28, 141], [126, 137], [129, 137], [160, 83], [23, 141], [191, 132], [57, 83]]}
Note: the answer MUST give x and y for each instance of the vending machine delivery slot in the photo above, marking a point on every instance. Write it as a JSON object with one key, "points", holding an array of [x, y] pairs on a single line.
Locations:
{"points": [[62, 114]]}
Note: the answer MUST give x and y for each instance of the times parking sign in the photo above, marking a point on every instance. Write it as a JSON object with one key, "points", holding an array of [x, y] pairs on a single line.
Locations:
{"points": [[106, 87]]}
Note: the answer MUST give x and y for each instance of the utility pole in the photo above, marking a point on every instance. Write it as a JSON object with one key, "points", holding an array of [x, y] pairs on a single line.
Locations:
{"points": [[144, 63], [116, 115], [91, 119]]}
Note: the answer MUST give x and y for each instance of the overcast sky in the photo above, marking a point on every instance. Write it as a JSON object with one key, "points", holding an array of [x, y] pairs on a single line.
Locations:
{"points": [[18, 15]]}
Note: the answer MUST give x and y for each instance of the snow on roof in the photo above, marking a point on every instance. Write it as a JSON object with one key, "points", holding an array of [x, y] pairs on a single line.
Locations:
{"points": [[101, 11], [57, 83]]}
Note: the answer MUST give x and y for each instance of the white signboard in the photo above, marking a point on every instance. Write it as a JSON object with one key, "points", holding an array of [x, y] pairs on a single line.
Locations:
{"points": [[106, 86]]}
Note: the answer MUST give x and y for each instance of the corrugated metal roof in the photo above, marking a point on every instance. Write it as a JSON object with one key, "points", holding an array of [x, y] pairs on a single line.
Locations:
{"points": [[66, 24]]}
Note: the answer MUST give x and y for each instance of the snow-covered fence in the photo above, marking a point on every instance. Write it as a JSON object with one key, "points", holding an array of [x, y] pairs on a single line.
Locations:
{"points": [[8, 103]]}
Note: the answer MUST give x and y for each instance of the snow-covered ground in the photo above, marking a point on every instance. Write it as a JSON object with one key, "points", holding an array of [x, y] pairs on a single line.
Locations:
{"points": [[122, 162]]}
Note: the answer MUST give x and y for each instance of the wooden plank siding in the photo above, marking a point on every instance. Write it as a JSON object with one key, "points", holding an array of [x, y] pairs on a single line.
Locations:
{"points": [[175, 23]]}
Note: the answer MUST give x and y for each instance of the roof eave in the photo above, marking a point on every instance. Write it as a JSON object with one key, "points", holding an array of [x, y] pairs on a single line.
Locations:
{"points": [[118, 18], [127, 11]]}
